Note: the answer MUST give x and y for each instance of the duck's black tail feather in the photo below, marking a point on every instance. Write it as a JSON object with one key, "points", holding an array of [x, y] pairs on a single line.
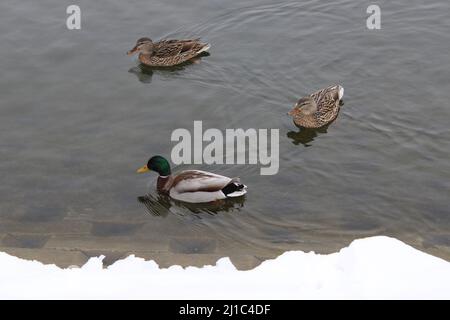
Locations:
{"points": [[232, 187]]}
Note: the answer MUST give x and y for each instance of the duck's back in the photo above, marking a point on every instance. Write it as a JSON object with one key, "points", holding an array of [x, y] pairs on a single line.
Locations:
{"points": [[173, 52], [197, 180]]}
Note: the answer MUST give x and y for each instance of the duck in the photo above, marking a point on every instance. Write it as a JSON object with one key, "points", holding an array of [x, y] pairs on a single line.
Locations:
{"points": [[167, 53], [319, 108], [192, 186]]}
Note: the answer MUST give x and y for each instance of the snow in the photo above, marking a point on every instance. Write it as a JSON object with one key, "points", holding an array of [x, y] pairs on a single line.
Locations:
{"points": [[377, 267]]}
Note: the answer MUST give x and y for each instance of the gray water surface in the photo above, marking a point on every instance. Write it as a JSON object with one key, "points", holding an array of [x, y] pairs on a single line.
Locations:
{"points": [[78, 117]]}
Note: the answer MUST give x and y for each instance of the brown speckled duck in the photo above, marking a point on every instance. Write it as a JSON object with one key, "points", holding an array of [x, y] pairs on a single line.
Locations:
{"points": [[167, 53], [318, 109]]}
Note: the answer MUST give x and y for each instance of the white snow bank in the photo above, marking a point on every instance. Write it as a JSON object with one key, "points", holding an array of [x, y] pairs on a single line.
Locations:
{"points": [[377, 267]]}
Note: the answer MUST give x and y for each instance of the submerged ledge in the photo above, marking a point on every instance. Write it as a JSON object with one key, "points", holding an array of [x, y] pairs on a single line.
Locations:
{"points": [[376, 267]]}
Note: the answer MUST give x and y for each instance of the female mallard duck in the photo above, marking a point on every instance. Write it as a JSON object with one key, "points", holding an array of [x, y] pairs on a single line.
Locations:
{"points": [[167, 53], [318, 109], [193, 186]]}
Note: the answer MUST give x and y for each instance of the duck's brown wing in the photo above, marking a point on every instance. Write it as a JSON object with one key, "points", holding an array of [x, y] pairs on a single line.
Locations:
{"points": [[170, 48], [166, 49], [328, 109], [329, 93]]}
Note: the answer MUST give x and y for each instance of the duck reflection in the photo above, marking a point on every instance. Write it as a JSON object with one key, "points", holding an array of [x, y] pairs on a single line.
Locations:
{"points": [[305, 136], [161, 205], [145, 73]]}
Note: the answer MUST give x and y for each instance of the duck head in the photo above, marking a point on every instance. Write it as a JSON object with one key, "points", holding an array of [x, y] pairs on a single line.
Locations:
{"points": [[143, 45], [158, 164]]}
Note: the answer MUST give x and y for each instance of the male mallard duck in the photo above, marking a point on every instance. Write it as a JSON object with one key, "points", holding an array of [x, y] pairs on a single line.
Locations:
{"points": [[167, 53], [318, 109], [193, 186]]}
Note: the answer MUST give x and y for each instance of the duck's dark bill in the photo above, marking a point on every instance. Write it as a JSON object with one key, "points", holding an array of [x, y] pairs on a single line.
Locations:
{"points": [[143, 169]]}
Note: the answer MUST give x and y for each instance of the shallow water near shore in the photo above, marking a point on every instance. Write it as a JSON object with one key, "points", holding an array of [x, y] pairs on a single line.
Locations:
{"points": [[78, 117]]}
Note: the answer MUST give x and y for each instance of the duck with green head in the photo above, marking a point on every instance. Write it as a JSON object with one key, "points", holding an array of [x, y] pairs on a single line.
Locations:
{"points": [[194, 186]]}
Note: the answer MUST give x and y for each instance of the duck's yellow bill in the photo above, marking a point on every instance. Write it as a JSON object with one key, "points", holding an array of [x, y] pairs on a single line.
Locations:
{"points": [[143, 169]]}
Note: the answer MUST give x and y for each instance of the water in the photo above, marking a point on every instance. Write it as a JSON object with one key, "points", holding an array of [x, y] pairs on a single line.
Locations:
{"points": [[78, 117]]}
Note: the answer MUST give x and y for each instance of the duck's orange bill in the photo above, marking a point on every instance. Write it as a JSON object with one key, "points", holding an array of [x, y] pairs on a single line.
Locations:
{"points": [[132, 51], [143, 169]]}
